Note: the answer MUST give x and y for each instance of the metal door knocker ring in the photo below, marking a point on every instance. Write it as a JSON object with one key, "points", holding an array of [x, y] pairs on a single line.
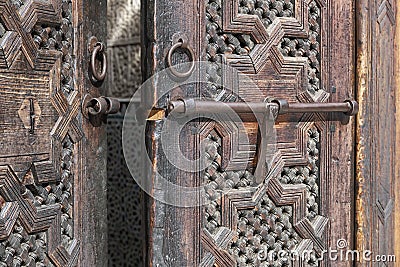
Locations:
{"points": [[184, 45], [99, 50]]}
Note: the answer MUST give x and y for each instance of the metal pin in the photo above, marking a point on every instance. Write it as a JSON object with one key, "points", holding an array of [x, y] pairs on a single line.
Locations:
{"points": [[32, 116]]}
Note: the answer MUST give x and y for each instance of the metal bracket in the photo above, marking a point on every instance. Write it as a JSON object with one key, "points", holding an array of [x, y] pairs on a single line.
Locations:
{"points": [[95, 108]]}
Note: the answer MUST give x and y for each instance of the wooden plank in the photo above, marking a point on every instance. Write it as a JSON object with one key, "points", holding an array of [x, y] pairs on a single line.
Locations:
{"points": [[90, 172], [376, 127], [397, 144], [173, 234], [337, 191]]}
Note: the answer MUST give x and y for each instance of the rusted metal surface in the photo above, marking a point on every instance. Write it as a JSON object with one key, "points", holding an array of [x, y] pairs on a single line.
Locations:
{"points": [[184, 45], [99, 50]]}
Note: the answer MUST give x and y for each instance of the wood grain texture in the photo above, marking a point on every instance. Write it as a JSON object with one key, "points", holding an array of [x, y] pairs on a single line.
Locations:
{"points": [[376, 130], [90, 172], [397, 145], [173, 236], [294, 55], [339, 170], [39, 130]]}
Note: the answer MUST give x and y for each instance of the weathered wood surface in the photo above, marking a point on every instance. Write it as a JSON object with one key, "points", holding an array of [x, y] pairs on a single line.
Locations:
{"points": [[377, 161], [91, 206], [397, 145], [293, 53], [52, 162]]}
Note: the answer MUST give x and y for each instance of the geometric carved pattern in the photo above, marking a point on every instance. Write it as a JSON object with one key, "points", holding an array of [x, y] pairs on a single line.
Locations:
{"points": [[22, 249], [19, 23], [59, 38], [277, 44], [270, 217], [279, 48], [36, 175], [43, 211], [265, 36], [237, 154], [43, 68], [34, 219], [309, 48], [250, 35], [307, 175]]}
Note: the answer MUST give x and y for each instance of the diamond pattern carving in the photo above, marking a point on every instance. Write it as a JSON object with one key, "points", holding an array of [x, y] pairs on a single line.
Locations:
{"points": [[36, 183]]}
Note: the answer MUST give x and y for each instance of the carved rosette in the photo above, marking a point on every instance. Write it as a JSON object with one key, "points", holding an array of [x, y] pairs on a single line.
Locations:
{"points": [[36, 165]]}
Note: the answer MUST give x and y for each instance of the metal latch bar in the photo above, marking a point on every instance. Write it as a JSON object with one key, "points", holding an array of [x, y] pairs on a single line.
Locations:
{"points": [[194, 106]]}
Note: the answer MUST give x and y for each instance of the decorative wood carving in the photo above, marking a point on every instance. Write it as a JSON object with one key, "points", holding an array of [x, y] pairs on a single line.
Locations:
{"points": [[291, 67], [244, 213], [288, 49], [266, 34], [39, 130]]}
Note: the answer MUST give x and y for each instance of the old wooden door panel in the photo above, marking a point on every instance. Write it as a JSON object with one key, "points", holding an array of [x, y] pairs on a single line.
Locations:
{"points": [[45, 143], [376, 131], [291, 50]]}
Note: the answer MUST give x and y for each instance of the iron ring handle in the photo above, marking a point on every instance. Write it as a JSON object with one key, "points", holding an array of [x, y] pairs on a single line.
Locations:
{"points": [[99, 49], [172, 69]]}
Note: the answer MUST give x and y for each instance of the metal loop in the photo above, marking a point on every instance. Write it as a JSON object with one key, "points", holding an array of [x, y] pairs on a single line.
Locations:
{"points": [[173, 70], [97, 106], [99, 49], [113, 105], [353, 107]]}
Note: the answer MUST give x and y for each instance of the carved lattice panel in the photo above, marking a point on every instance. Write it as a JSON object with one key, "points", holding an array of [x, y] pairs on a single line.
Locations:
{"points": [[278, 44], [265, 218], [39, 130]]}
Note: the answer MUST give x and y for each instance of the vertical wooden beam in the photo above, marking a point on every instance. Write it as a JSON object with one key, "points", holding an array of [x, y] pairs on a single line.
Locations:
{"points": [[376, 162], [397, 145], [340, 160], [363, 52], [90, 193], [173, 233]]}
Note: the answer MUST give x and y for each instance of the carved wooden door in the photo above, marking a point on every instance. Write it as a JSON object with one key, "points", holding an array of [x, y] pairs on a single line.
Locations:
{"points": [[298, 50], [52, 160]]}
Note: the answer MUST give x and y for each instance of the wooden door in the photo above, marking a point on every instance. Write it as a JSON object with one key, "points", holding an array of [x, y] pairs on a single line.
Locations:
{"points": [[299, 50], [378, 206], [52, 159]]}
